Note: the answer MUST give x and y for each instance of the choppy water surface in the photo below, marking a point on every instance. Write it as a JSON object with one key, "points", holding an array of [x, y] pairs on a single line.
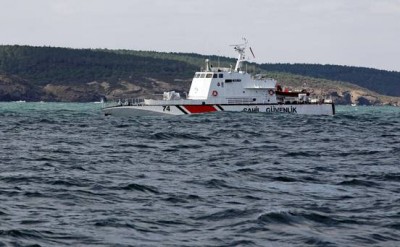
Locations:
{"points": [[70, 176]]}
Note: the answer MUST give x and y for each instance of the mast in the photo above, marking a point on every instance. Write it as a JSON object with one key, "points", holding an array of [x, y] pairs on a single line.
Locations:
{"points": [[240, 48]]}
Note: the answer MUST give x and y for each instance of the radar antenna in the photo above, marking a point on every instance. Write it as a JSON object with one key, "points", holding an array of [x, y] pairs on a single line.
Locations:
{"points": [[252, 53], [241, 48]]}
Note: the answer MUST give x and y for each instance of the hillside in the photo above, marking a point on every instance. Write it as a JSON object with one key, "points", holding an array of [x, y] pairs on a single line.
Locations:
{"points": [[380, 81], [84, 75], [43, 65], [340, 92]]}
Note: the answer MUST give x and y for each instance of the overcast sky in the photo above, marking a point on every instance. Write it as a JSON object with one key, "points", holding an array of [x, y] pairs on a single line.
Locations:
{"points": [[346, 32]]}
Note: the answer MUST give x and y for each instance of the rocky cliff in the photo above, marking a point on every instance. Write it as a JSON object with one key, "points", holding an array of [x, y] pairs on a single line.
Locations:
{"points": [[14, 88]]}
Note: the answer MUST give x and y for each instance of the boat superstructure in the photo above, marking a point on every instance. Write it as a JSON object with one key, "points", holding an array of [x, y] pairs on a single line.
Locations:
{"points": [[217, 89]]}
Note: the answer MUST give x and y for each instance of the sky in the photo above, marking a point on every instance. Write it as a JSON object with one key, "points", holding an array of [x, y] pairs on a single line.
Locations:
{"points": [[362, 33]]}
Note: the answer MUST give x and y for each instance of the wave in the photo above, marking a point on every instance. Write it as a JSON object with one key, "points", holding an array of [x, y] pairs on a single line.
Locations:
{"points": [[66, 183], [227, 214], [301, 218], [141, 188], [24, 234], [303, 154], [358, 182], [111, 222], [174, 135], [284, 179], [216, 183]]}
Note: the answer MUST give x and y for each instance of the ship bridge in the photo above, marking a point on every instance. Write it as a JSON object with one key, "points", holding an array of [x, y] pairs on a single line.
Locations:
{"points": [[226, 84]]}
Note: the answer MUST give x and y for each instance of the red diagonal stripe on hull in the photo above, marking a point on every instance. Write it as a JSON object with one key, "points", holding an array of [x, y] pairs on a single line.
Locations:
{"points": [[200, 108]]}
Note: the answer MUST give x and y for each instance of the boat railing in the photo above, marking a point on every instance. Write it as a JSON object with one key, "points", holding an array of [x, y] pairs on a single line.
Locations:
{"points": [[139, 102], [236, 101], [124, 102]]}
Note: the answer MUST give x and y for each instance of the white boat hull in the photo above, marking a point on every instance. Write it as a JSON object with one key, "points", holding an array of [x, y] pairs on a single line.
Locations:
{"points": [[154, 110]]}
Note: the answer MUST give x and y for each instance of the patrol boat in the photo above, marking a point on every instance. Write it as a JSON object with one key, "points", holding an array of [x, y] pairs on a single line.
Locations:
{"points": [[217, 89]]}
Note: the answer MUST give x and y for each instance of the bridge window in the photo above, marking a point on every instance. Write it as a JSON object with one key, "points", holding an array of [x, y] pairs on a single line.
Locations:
{"points": [[197, 75], [233, 80], [215, 76], [202, 75], [209, 75], [221, 75]]}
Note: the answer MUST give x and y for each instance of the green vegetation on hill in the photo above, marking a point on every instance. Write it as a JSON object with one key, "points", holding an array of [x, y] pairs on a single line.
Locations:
{"points": [[43, 65], [381, 81], [194, 59]]}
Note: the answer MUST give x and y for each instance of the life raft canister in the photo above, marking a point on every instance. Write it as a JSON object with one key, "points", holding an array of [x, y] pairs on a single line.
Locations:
{"points": [[271, 92], [214, 93]]}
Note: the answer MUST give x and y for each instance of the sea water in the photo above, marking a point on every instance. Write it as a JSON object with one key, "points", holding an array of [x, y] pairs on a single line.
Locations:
{"points": [[71, 176]]}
